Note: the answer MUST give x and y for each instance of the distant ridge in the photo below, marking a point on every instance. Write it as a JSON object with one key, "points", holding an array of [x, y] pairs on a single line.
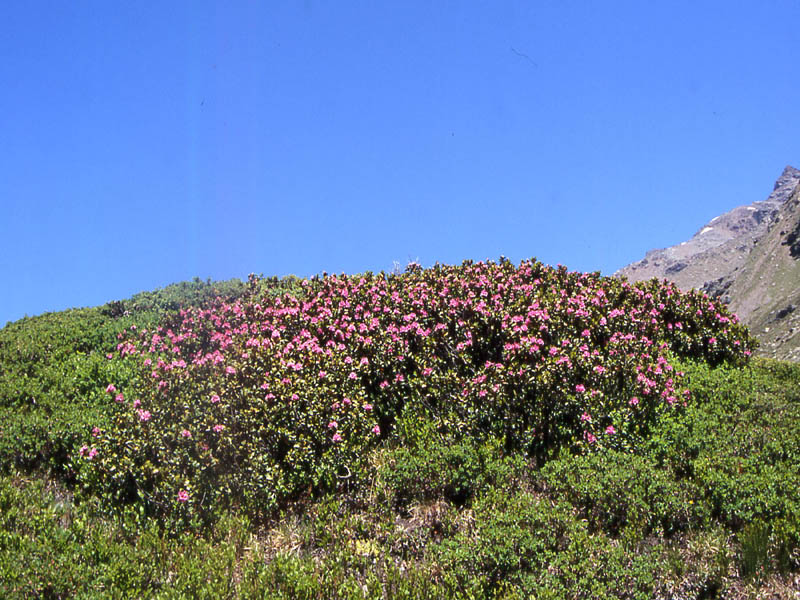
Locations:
{"points": [[750, 258]]}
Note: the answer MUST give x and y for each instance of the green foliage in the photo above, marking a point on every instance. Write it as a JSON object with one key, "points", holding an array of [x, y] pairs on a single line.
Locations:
{"points": [[177, 296], [436, 468], [479, 481], [620, 492], [259, 401], [54, 367], [50, 367]]}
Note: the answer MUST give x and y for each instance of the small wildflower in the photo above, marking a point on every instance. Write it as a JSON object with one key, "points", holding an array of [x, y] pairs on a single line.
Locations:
{"points": [[183, 496]]}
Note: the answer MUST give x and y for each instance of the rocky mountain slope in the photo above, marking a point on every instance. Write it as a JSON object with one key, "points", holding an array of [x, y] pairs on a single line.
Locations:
{"points": [[750, 257]]}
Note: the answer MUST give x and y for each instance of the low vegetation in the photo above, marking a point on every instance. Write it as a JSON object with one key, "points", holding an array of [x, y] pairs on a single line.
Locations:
{"points": [[482, 431]]}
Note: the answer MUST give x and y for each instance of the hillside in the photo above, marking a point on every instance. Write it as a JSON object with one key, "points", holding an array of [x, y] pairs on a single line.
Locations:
{"points": [[476, 431], [743, 257], [765, 290]]}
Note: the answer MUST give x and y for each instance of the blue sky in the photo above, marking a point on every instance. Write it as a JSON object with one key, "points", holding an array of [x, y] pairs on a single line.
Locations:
{"points": [[148, 143]]}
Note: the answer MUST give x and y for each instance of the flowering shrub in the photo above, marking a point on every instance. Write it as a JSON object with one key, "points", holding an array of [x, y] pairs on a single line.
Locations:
{"points": [[260, 400]]}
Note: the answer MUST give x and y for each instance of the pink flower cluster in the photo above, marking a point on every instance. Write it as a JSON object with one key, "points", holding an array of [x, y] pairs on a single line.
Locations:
{"points": [[485, 342]]}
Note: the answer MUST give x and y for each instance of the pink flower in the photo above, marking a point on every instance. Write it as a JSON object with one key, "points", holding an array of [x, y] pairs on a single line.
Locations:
{"points": [[183, 496], [214, 399], [589, 437], [580, 388], [111, 389], [230, 370], [586, 416], [610, 430], [633, 401], [333, 425], [427, 371], [383, 384], [144, 415], [346, 401], [376, 430], [352, 375], [364, 361], [83, 450], [322, 374], [137, 403], [337, 437], [92, 453], [218, 428], [95, 431], [713, 340], [147, 362], [186, 433], [368, 407]]}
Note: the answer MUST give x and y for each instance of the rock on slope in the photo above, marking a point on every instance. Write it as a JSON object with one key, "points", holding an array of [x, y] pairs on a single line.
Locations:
{"points": [[765, 291], [750, 257]]}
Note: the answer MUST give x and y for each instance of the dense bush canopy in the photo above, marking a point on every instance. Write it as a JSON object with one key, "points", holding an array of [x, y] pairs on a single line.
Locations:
{"points": [[256, 401]]}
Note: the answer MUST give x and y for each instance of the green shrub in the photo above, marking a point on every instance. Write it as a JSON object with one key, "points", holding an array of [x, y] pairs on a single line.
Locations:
{"points": [[257, 401], [441, 468], [616, 491]]}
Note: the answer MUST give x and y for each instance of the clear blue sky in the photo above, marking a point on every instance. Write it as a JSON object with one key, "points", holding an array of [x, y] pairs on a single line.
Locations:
{"points": [[147, 143]]}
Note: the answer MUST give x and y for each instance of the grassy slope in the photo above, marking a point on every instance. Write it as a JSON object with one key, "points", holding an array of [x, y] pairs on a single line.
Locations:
{"points": [[709, 508]]}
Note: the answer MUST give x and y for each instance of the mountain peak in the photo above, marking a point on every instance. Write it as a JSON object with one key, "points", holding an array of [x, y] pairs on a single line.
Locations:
{"points": [[786, 183], [742, 248]]}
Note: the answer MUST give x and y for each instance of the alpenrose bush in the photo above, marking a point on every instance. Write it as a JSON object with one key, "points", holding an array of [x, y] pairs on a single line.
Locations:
{"points": [[256, 402]]}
